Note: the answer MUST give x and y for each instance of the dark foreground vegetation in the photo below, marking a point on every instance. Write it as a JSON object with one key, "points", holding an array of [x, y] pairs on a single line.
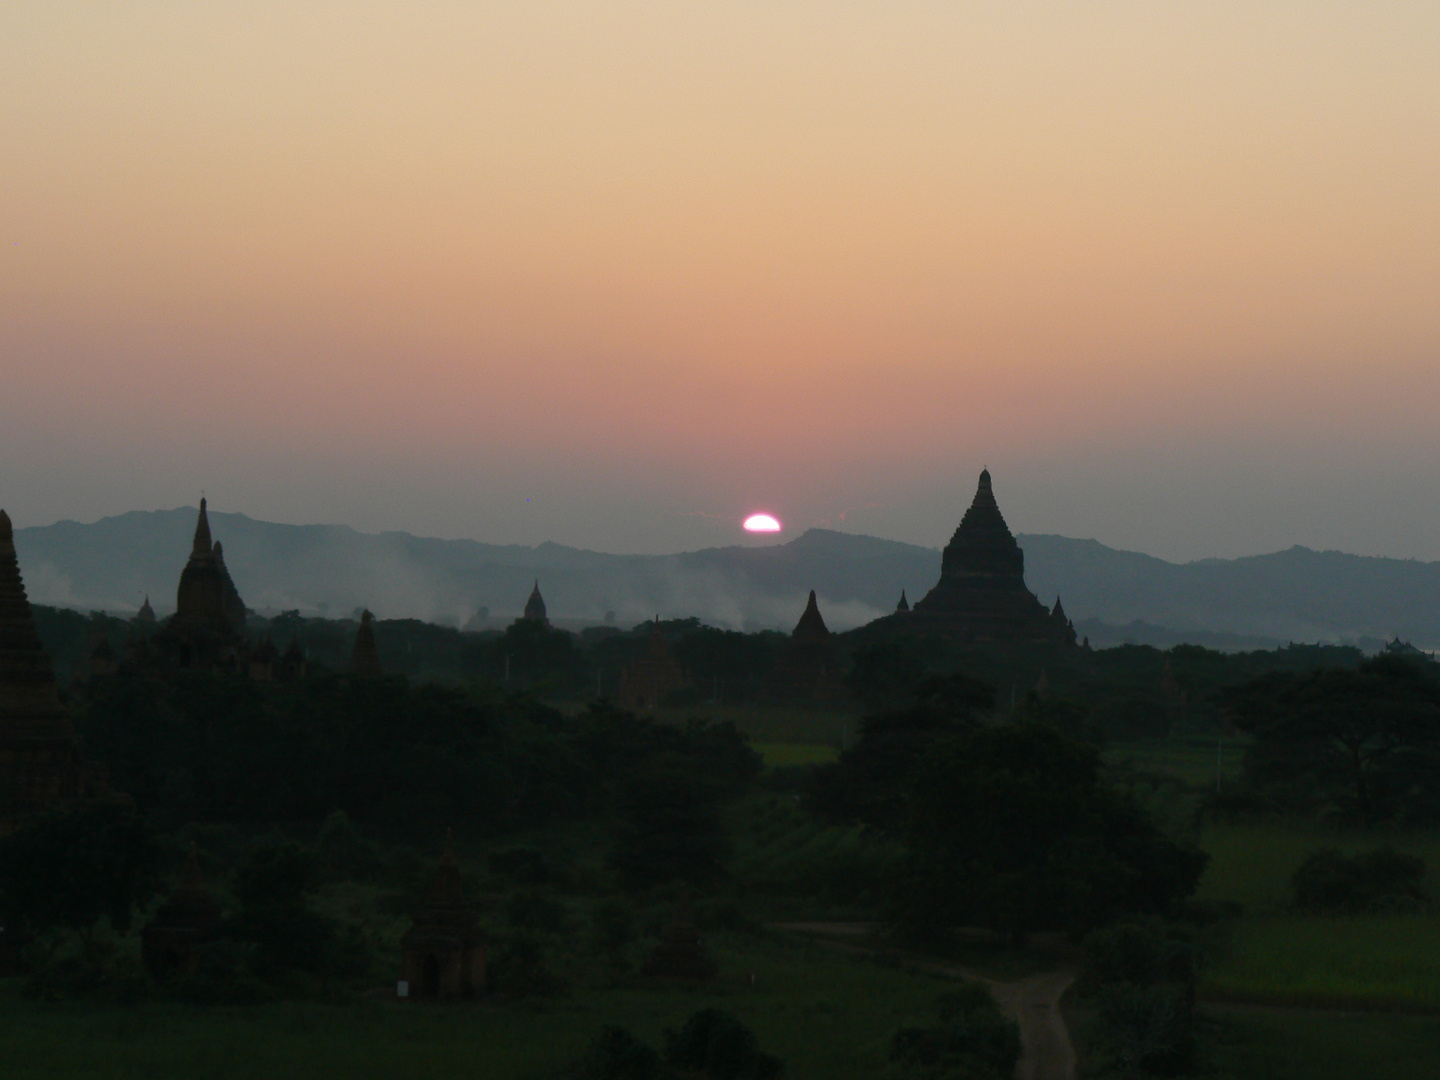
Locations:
{"points": [[1191, 832]]}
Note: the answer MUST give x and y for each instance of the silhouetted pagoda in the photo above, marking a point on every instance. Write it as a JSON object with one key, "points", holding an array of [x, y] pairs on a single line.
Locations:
{"points": [[644, 682], [904, 605], [535, 606], [146, 615], [188, 918], [806, 668], [981, 597], [208, 627], [442, 955], [364, 657], [41, 763], [680, 954]]}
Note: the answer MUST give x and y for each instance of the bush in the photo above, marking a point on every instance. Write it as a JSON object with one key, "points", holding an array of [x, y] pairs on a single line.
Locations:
{"points": [[1143, 975], [1149, 1029], [717, 1046], [972, 1040], [1383, 880], [1140, 953], [615, 1054]]}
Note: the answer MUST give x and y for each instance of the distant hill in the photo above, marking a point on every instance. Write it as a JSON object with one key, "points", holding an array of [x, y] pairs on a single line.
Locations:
{"points": [[1298, 595]]}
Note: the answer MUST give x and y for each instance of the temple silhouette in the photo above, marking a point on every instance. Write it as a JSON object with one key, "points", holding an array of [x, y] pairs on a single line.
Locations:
{"points": [[645, 682], [42, 763], [808, 666], [981, 597]]}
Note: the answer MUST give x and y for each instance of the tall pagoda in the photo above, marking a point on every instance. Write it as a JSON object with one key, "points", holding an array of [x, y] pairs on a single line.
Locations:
{"points": [[981, 596], [41, 764]]}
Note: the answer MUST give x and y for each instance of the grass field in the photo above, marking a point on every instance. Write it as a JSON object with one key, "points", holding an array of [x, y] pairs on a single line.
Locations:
{"points": [[1298, 1044], [1378, 962], [777, 754], [780, 725], [827, 1015], [1195, 761]]}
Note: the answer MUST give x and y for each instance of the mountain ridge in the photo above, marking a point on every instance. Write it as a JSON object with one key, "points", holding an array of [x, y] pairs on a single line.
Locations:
{"points": [[1295, 594]]}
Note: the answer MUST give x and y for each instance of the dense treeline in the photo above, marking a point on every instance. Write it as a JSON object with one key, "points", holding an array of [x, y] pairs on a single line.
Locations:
{"points": [[1121, 693], [209, 746]]}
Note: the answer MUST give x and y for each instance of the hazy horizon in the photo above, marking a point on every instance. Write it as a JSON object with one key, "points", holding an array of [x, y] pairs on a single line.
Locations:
{"points": [[617, 275]]}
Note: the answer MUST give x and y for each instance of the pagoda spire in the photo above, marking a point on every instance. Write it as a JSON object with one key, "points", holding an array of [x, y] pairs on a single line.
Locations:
{"points": [[811, 626], [201, 546], [365, 658]]}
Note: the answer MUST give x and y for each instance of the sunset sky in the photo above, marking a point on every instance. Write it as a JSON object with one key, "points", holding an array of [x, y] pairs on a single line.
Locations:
{"points": [[619, 274]]}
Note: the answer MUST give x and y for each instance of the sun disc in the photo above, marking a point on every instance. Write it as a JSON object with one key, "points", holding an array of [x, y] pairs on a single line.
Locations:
{"points": [[764, 523]]}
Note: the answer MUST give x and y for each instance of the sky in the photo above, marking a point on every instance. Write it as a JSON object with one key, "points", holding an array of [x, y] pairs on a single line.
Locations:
{"points": [[619, 274]]}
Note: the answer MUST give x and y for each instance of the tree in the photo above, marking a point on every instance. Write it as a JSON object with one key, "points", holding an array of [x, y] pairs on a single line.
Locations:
{"points": [[69, 868], [715, 1045], [1012, 828], [1363, 742], [873, 782], [671, 829]]}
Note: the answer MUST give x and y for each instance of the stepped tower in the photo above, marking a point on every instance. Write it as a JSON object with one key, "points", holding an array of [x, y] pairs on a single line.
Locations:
{"points": [[364, 657], [40, 757], [442, 955], [207, 600], [981, 596], [644, 682], [535, 606], [806, 668], [208, 627]]}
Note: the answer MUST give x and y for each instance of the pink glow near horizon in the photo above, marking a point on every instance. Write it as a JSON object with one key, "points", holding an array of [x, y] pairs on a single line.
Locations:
{"points": [[1170, 270]]}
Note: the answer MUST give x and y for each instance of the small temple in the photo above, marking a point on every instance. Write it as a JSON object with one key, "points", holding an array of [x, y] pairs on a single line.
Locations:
{"points": [[41, 759], [807, 667], [645, 682], [535, 606], [442, 955], [364, 657], [680, 955], [981, 597], [208, 627], [903, 605], [188, 918]]}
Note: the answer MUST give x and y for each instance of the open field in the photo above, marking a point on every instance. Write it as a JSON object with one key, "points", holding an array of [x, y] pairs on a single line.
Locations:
{"points": [[780, 754], [1301, 1044], [826, 1014], [1193, 760], [1252, 864], [779, 724], [1381, 962]]}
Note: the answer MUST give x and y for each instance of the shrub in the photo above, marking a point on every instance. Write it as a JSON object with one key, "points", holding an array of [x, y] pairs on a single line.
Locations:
{"points": [[718, 1046], [1382, 880], [972, 1040], [615, 1054]]}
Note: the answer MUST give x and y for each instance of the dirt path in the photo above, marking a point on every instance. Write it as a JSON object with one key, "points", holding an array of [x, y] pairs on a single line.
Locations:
{"points": [[1033, 1003]]}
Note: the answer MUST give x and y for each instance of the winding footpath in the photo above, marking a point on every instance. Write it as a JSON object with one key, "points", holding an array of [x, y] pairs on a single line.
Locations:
{"points": [[1033, 1003]]}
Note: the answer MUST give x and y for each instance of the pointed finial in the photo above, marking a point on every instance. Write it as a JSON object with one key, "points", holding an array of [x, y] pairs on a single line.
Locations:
{"points": [[202, 531], [7, 533]]}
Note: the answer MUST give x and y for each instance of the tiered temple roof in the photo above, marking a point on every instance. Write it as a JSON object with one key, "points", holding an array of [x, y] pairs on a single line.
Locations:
{"points": [[443, 952], [645, 682], [207, 600], [365, 658], [807, 666], [981, 597], [40, 758], [535, 606]]}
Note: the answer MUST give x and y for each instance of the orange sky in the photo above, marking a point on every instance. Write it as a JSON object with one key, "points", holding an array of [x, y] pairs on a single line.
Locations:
{"points": [[1171, 271]]}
